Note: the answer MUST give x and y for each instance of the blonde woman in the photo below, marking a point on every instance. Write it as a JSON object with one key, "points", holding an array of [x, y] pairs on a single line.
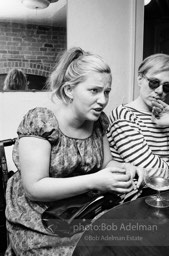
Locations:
{"points": [[63, 153]]}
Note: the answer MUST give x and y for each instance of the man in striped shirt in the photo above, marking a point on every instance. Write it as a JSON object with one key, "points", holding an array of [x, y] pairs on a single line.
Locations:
{"points": [[133, 135]]}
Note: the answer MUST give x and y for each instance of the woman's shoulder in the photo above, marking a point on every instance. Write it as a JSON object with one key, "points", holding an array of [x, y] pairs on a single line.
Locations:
{"points": [[40, 111], [39, 121], [41, 116]]}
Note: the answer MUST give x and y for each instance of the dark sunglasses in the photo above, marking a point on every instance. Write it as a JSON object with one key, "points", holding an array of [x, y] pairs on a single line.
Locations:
{"points": [[155, 83]]}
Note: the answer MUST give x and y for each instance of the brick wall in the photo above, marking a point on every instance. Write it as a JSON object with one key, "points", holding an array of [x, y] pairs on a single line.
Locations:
{"points": [[32, 48]]}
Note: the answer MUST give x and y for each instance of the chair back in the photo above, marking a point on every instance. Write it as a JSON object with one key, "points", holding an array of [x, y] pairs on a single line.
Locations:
{"points": [[4, 175]]}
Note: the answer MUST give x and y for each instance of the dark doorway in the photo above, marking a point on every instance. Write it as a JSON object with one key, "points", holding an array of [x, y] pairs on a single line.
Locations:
{"points": [[156, 27]]}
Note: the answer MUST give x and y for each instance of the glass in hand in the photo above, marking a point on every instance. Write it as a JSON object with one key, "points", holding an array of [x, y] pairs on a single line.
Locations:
{"points": [[155, 179]]}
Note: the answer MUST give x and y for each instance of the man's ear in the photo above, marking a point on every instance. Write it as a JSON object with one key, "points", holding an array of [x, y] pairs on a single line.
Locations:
{"points": [[139, 79]]}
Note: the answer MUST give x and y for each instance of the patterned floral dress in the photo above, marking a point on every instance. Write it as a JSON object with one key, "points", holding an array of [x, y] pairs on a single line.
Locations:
{"points": [[69, 157]]}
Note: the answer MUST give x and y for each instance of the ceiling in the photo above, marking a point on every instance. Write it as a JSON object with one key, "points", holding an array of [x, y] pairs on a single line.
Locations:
{"points": [[15, 11], [55, 13], [157, 9]]}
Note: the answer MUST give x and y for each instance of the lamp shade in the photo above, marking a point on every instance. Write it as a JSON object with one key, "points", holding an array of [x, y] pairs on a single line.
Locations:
{"points": [[146, 2], [37, 4]]}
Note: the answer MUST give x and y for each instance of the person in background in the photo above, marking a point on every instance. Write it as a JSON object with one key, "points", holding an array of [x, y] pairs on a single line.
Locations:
{"points": [[15, 80], [134, 137], [62, 153]]}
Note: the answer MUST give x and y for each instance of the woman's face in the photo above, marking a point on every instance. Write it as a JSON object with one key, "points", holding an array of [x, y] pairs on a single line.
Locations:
{"points": [[91, 96], [148, 94]]}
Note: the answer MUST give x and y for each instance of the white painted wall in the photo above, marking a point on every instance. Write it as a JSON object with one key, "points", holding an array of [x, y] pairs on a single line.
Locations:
{"points": [[114, 30], [13, 105]]}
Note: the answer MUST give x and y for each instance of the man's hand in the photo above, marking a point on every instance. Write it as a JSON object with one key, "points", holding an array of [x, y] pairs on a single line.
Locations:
{"points": [[160, 113]]}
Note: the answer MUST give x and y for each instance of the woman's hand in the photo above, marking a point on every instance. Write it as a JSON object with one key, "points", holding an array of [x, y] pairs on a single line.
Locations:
{"points": [[160, 113], [135, 171], [113, 179]]}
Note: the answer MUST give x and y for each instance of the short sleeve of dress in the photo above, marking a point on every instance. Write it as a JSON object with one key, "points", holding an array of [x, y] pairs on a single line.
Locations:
{"points": [[103, 123], [39, 122]]}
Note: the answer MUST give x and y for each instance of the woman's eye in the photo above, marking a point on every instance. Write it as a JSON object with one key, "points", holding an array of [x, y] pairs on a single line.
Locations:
{"points": [[94, 91]]}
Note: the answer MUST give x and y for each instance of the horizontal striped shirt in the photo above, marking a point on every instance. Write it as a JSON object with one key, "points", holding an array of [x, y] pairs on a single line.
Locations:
{"points": [[134, 138]]}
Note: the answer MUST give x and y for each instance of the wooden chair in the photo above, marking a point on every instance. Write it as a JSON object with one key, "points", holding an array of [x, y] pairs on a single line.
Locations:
{"points": [[4, 176]]}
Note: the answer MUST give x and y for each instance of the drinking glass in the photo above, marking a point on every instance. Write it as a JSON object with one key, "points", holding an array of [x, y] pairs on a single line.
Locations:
{"points": [[155, 180]]}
